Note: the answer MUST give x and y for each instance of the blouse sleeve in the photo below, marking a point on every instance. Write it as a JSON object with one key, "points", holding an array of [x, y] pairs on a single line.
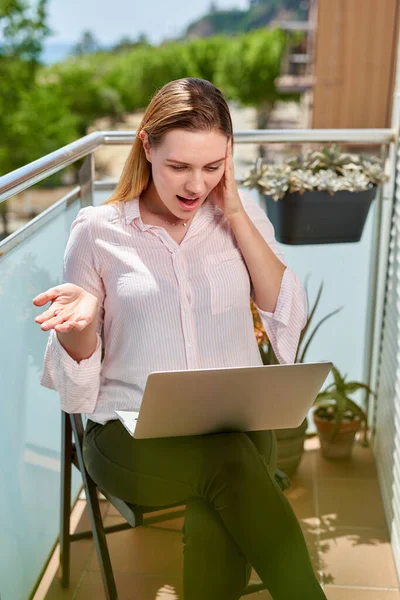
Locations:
{"points": [[77, 383], [284, 325]]}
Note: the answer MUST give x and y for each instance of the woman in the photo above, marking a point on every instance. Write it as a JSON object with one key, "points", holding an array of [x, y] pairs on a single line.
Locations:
{"points": [[160, 278]]}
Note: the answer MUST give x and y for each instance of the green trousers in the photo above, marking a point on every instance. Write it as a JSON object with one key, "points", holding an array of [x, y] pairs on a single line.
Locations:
{"points": [[236, 514]]}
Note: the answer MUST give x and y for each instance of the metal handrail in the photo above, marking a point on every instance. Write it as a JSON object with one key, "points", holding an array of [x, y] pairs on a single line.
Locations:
{"points": [[26, 176]]}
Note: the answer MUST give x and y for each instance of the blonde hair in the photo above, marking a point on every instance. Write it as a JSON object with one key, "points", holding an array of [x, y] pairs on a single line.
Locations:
{"points": [[191, 104]]}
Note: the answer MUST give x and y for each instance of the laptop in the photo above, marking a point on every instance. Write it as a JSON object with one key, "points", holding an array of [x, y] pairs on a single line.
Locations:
{"points": [[206, 401]]}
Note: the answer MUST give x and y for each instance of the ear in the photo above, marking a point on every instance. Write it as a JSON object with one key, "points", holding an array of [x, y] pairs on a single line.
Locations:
{"points": [[146, 144]]}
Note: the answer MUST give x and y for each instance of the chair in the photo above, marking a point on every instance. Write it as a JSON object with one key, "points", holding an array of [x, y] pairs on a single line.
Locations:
{"points": [[71, 454]]}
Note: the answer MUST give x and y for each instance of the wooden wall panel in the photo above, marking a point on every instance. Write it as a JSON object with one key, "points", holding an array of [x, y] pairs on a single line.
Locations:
{"points": [[355, 59]]}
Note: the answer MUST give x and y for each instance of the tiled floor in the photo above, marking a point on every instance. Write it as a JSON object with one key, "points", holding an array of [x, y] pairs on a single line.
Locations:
{"points": [[337, 503]]}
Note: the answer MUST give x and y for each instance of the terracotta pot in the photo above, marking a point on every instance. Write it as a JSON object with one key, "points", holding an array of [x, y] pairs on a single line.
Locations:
{"points": [[343, 443]]}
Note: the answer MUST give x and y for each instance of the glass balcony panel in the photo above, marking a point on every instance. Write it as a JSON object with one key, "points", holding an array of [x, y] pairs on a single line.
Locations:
{"points": [[30, 430]]}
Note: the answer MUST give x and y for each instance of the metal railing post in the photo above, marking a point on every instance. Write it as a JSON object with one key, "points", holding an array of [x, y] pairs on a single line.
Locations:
{"points": [[86, 181]]}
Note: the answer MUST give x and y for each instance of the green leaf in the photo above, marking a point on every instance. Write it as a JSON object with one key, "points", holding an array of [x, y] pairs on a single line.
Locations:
{"points": [[357, 410], [340, 409], [323, 399], [328, 316], [339, 380], [312, 312], [353, 386]]}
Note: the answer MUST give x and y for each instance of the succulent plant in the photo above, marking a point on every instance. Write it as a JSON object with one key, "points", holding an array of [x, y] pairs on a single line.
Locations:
{"points": [[328, 180], [354, 180], [330, 157], [327, 169], [302, 181], [275, 181]]}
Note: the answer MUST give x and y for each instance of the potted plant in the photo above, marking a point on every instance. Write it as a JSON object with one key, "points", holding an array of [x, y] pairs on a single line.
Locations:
{"points": [[290, 442], [318, 197], [337, 417]]}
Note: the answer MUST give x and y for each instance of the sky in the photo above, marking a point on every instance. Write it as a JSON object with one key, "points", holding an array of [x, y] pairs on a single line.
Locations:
{"points": [[111, 20]]}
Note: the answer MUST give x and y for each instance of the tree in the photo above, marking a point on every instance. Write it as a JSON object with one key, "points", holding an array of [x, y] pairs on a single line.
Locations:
{"points": [[84, 84], [138, 74], [248, 70], [22, 29], [205, 54], [126, 43], [87, 44], [22, 32]]}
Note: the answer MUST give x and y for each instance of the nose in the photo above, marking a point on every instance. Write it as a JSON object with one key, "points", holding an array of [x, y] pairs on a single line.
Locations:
{"points": [[195, 186]]}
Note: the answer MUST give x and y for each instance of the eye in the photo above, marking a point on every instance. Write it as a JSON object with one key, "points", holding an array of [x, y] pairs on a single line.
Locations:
{"points": [[213, 168], [176, 168]]}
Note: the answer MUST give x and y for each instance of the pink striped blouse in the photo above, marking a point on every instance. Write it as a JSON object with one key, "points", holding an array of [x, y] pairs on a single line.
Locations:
{"points": [[164, 306]]}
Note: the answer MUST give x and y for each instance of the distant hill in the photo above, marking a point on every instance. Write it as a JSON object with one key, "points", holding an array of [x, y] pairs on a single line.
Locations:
{"points": [[259, 14]]}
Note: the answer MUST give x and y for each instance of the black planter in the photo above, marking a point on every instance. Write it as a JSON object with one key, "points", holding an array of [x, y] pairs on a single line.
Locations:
{"points": [[319, 218]]}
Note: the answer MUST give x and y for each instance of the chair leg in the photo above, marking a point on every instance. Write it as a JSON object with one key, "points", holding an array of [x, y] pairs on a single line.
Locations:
{"points": [[65, 497], [96, 522]]}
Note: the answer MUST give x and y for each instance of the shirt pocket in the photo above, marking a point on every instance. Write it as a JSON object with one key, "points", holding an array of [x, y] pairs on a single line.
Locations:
{"points": [[229, 281]]}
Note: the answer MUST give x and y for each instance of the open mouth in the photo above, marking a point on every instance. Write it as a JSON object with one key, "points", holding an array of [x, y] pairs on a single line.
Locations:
{"points": [[188, 203]]}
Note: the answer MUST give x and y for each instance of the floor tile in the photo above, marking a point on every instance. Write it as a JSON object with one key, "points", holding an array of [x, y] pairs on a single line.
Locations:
{"points": [[143, 550], [132, 586], [350, 504], [307, 465], [361, 465], [371, 565], [81, 553], [301, 496], [345, 593]]}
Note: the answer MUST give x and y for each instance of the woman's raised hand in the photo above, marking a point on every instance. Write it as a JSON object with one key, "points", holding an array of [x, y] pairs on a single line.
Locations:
{"points": [[72, 308]]}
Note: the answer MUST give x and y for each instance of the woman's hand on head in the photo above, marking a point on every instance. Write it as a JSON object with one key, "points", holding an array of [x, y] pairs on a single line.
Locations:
{"points": [[226, 194], [71, 308]]}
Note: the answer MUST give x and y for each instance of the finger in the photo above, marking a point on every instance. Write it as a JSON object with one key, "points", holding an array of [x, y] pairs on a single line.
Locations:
{"points": [[70, 325], [48, 314], [57, 320], [46, 296]]}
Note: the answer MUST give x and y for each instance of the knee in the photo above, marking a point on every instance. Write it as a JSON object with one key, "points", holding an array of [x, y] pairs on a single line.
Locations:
{"points": [[236, 454], [204, 527]]}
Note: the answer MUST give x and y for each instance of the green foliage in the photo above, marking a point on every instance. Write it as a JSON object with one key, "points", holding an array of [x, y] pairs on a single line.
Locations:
{"points": [[42, 123], [250, 65], [137, 75], [22, 29], [82, 80], [205, 54], [335, 404], [24, 111]]}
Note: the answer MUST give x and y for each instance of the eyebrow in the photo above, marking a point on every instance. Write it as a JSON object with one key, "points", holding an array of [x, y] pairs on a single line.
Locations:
{"points": [[179, 162]]}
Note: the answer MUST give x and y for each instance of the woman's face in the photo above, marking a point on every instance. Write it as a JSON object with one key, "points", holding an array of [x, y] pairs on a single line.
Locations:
{"points": [[186, 167]]}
